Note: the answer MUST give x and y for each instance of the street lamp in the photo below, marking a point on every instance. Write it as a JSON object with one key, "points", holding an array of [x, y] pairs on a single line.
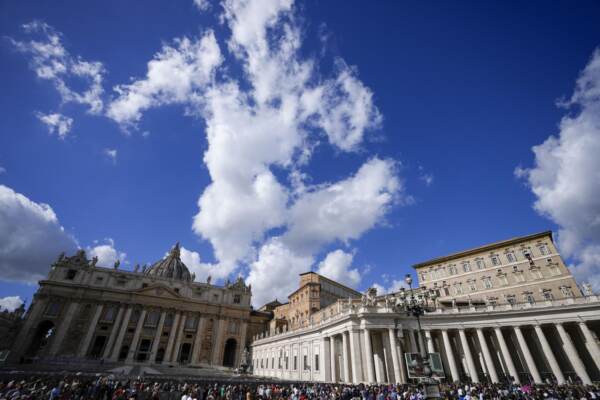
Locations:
{"points": [[415, 305]]}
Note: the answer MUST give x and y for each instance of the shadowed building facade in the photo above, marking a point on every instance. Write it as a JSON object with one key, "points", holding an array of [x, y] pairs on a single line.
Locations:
{"points": [[149, 316]]}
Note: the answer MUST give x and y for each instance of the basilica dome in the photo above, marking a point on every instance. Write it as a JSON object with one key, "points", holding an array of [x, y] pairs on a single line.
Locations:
{"points": [[171, 267]]}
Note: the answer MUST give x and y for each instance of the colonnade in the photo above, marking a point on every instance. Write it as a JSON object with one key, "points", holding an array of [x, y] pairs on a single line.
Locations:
{"points": [[557, 352]]}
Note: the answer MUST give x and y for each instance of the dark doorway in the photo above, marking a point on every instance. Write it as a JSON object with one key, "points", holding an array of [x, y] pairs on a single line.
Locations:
{"points": [[184, 354], [160, 355], [123, 353], [41, 338], [98, 346], [229, 353], [144, 349]]}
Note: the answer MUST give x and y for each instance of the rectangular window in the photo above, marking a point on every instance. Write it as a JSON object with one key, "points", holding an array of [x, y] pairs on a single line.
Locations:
{"points": [[554, 270], [423, 276], [295, 363], [453, 270], [510, 299], [190, 323], [152, 318], [495, 260], [305, 361], [237, 299], [566, 291], [510, 257], [536, 273], [528, 297], [519, 277], [548, 295], [472, 286], [487, 282], [458, 288], [467, 267], [70, 275], [544, 250], [503, 280], [480, 264], [316, 362]]}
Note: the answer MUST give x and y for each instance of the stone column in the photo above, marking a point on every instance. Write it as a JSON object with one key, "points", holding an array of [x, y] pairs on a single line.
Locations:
{"points": [[180, 333], [369, 356], [218, 342], [122, 331], [413, 341], [326, 359], [89, 334], [136, 337], [395, 361], [506, 355], [198, 340], [172, 336], [332, 354], [62, 329], [571, 352], [244, 328], [157, 336], [560, 378], [450, 356], [528, 357], [429, 340], [113, 333], [355, 357], [487, 356], [468, 356], [590, 343], [422, 346], [345, 360]]}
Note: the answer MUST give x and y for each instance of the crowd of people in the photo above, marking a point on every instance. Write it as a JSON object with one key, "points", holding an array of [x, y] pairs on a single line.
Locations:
{"points": [[111, 388]]}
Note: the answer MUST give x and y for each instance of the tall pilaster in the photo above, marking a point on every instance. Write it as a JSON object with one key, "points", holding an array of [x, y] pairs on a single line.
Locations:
{"points": [[333, 355], [62, 329], [244, 328], [573, 355], [413, 341], [450, 356], [179, 337], [506, 355], [326, 367], [591, 343], [172, 335], [345, 369], [157, 336], [487, 356], [554, 366], [89, 334], [468, 356], [369, 356], [136, 336], [528, 357], [198, 340], [113, 333], [121, 336], [395, 361]]}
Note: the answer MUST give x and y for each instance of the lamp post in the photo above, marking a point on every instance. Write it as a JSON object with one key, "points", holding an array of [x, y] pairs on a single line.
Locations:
{"points": [[415, 305]]}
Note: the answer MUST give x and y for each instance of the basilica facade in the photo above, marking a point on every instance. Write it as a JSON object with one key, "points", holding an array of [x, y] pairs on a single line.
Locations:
{"points": [[151, 315]]}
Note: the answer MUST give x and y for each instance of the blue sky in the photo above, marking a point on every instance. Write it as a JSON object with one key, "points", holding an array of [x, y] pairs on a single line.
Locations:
{"points": [[402, 146]]}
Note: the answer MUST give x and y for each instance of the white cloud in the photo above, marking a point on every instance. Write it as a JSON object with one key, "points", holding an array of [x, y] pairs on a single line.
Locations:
{"points": [[336, 266], [203, 270], [275, 274], [56, 123], [51, 61], [389, 287], [111, 154], [10, 303], [202, 5], [31, 237], [566, 176], [107, 253], [175, 75], [343, 210], [2, 170]]}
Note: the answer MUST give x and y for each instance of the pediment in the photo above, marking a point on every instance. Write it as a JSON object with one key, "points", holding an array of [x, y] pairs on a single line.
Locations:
{"points": [[159, 290]]}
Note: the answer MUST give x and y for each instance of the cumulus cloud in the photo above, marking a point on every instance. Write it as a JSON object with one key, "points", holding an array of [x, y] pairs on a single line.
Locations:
{"points": [[106, 252], [275, 273], [566, 176], [175, 75], [56, 123], [337, 266], [51, 61], [202, 270], [10, 303], [2, 170], [392, 286], [31, 237]]}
